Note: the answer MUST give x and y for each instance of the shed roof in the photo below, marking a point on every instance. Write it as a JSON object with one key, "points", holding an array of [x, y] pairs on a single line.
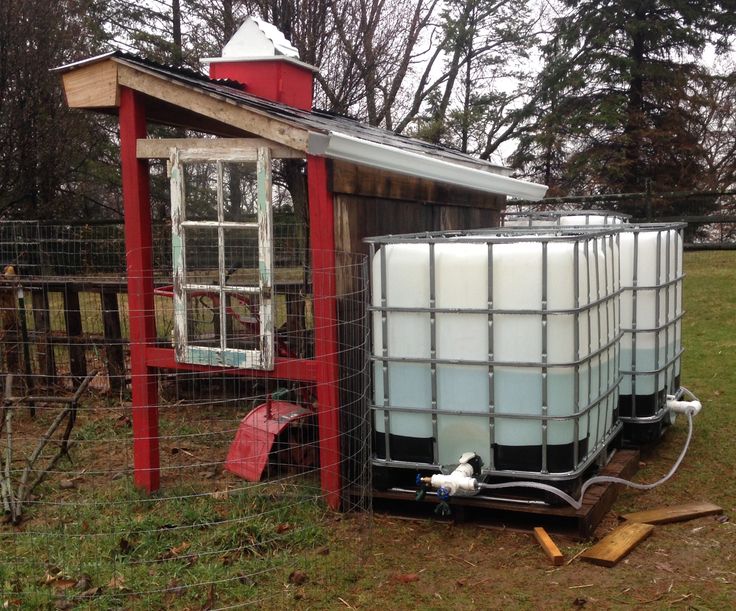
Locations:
{"points": [[321, 133]]}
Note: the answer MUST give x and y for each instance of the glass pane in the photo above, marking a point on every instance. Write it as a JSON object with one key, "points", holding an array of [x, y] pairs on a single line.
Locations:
{"points": [[289, 183], [200, 264], [240, 192], [241, 256], [203, 319], [242, 323], [200, 191]]}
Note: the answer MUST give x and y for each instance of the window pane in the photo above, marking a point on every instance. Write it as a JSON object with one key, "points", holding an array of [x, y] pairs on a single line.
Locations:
{"points": [[240, 192], [200, 191], [201, 255], [289, 182], [243, 324], [241, 256], [203, 319]]}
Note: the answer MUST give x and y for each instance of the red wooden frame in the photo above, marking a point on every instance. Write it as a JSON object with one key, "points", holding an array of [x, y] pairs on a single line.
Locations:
{"points": [[139, 247], [146, 358], [322, 235]]}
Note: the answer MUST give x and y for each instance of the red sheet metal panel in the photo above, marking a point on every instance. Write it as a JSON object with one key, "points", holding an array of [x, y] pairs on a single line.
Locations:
{"points": [[248, 455]]}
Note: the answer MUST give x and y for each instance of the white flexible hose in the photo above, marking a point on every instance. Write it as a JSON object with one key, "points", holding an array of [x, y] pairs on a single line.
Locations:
{"points": [[601, 478]]}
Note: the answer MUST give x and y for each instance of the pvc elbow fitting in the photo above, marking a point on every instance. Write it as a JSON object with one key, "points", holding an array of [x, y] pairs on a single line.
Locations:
{"points": [[685, 407], [458, 481]]}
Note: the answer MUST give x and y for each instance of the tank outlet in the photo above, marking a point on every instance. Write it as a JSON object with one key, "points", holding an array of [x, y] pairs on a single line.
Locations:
{"points": [[461, 480], [677, 405], [684, 407]]}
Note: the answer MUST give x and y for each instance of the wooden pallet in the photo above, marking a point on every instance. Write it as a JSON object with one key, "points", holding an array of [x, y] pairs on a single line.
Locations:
{"points": [[563, 519]]}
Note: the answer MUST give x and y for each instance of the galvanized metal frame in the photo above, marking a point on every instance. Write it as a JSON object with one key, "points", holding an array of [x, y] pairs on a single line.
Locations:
{"points": [[592, 239], [531, 219], [663, 283]]}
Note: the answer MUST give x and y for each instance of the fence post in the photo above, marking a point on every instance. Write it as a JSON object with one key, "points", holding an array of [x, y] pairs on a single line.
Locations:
{"points": [[73, 321], [113, 334], [42, 328]]}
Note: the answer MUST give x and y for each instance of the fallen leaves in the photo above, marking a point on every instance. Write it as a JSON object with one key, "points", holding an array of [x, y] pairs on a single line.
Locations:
{"points": [[220, 495], [117, 582], [298, 577], [407, 577], [180, 549]]}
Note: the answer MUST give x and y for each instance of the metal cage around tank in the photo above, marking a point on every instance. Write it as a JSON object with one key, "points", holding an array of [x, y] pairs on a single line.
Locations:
{"points": [[452, 372], [651, 321], [651, 308], [564, 218]]}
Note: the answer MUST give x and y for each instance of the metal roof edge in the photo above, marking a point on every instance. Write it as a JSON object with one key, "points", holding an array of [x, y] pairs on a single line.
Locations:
{"points": [[363, 152], [255, 58], [84, 62]]}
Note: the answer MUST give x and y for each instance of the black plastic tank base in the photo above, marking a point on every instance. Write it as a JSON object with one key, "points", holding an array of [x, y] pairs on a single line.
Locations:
{"points": [[406, 449], [638, 433], [560, 457], [385, 478], [644, 405]]}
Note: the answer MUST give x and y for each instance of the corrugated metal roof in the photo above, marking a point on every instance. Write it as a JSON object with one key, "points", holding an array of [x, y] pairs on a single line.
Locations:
{"points": [[315, 120], [349, 133]]}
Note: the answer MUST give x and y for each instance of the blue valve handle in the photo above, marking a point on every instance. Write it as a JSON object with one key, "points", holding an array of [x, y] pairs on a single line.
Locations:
{"points": [[443, 494]]}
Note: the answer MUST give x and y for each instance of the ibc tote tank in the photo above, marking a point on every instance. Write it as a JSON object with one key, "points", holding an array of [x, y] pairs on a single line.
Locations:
{"points": [[500, 342], [651, 318], [651, 311]]}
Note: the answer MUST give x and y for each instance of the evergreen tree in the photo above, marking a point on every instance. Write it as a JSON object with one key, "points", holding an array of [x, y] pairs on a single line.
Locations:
{"points": [[619, 95]]}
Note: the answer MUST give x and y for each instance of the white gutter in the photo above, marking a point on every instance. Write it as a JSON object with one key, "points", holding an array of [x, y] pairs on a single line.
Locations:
{"points": [[363, 152]]}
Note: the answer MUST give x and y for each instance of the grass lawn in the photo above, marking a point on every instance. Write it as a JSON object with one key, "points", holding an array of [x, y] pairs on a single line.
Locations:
{"points": [[214, 542]]}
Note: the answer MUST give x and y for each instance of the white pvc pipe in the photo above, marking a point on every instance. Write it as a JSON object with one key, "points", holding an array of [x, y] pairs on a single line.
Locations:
{"points": [[460, 480]]}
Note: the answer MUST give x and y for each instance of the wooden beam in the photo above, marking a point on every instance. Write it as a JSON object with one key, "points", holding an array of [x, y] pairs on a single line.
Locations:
{"points": [[210, 105], [326, 347], [612, 548], [301, 370], [212, 148], [352, 179], [139, 256], [549, 547], [676, 513], [93, 86]]}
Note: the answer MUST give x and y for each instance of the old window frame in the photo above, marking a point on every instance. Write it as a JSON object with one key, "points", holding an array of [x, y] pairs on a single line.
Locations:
{"points": [[263, 357]]}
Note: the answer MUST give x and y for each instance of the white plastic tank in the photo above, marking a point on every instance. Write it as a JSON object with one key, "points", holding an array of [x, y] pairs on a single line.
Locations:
{"points": [[651, 318], [651, 309], [459, 367]]}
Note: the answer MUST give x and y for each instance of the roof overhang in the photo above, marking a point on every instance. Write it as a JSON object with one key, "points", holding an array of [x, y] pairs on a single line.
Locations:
{"points": [[362, 152], [95, 84]]}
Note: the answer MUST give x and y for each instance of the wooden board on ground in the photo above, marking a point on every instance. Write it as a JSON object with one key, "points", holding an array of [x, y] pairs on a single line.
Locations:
{"points": [[675, 513], [549, 547], [522, 514], [612, 548]]}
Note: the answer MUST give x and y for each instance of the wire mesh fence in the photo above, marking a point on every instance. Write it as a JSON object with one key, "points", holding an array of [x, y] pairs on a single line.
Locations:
{"points": [[78, 531]]}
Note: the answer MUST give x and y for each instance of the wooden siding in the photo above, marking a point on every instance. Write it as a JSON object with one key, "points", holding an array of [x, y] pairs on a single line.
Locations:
{"points": [[351, 179]]}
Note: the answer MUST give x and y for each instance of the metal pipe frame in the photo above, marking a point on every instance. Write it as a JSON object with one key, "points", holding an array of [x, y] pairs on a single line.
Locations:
{"points": [[596, 244]]}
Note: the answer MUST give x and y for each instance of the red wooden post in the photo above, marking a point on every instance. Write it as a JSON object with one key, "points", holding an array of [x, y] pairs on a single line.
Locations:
{"points": [[321, 229], [138, 246]]}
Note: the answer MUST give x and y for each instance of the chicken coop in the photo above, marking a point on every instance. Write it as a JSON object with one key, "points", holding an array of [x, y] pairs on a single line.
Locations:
{"points": [[249, 134]]}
